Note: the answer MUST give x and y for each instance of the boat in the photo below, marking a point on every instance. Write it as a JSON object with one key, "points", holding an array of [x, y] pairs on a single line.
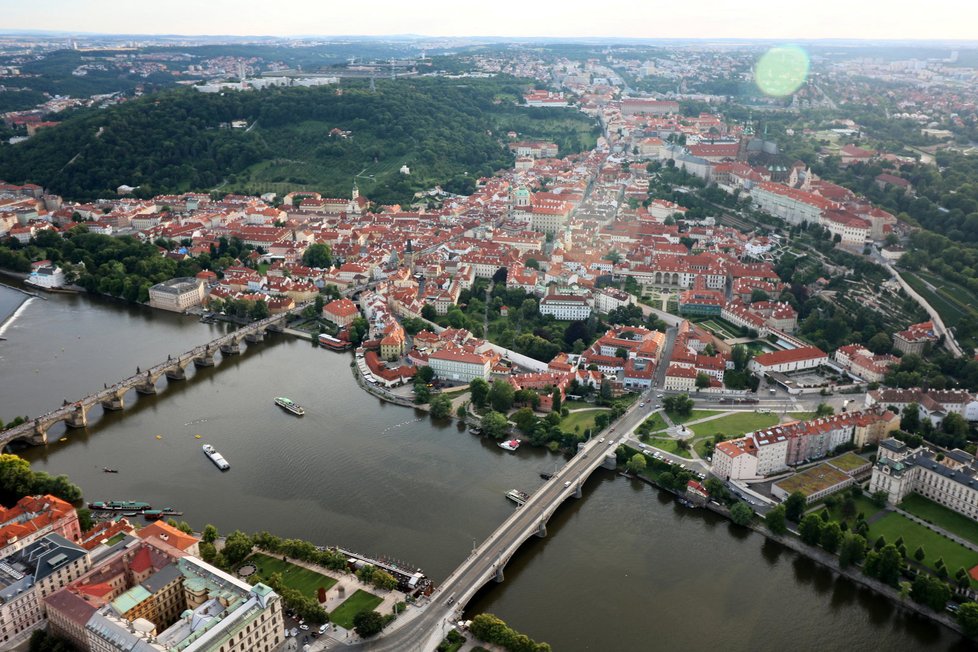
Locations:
{"points": [[106, 469], [545, 475], [510, 445], [333, 343], [290, 405], [517, 496], [475, 431], [216, 457], [157, 514], [119, 506]]}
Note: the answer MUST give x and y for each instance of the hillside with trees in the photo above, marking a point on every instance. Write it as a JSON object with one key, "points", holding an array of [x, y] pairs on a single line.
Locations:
{"points": [[447, 132]]}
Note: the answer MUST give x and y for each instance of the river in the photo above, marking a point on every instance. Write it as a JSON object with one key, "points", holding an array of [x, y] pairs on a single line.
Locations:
{"points": [[622, 569]]}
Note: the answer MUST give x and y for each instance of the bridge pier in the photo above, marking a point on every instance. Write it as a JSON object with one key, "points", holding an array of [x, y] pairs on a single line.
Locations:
{"points": [[275, 328], [40, 434], [610, 462], [205, 359], [499, 575], [542, 529], [176, 373], [255, 337], [231, 348], [147, 388], [114, 403], [577, 491], [78, 418]]}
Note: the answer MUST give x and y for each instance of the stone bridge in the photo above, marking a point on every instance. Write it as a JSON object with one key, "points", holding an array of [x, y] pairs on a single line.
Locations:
{"points": [[75, 414]]}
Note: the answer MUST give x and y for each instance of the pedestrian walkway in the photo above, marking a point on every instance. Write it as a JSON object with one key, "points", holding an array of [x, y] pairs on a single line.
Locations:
{"points": [[930, 526]]}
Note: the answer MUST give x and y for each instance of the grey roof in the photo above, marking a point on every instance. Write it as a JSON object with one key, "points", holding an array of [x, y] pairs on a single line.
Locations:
{"points": [[46, 555], [894, 445], [161, 578]]}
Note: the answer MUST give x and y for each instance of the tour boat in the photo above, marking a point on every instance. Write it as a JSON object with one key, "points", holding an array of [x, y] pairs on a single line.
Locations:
{"points": [[119, 506], [333, 343], [216, 457], [510, 445], [289, 405], [517, 496]]}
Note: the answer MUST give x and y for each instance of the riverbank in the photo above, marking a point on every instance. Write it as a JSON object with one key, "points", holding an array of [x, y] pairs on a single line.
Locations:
{"points": [[826, 560]]}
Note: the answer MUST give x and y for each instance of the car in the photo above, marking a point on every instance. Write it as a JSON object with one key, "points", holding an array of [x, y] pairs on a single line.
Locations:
{"points": [[642, 404], [323, 628], [304, 628], [643, 446], [567, 484], [601, 440], [612, 429], [611, 443], [294, 631], [658, 395]]}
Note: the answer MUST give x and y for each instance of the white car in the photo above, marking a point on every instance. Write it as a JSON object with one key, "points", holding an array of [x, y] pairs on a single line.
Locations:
{"points": [[304, 628], [642, 404], [323, 628], [567, 484], [601, 440]]}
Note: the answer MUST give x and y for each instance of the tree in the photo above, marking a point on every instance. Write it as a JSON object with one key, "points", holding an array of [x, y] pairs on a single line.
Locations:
{"points": [[930, 591], [741, 514], [889, 566], [716, 488], [810, 529], [422, 394], [919, 554], [775, 519], [441, 407], [824, 410], [794, 506], [494, 425], [910, 418], [702, 380], [368, 623], [532, 263], [879, 498], [636, 464], [880, 343], [852, 550], [317, 255], [967, 617], [605, 392], [525, 420], [556, 398], [237, 546], [501, 396], [209, 534], [428, 312], [680, 405], [425, 374], [830, 537], [479, 389]]}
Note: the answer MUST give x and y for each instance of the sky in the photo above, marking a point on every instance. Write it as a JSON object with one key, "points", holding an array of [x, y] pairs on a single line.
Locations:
{"points": [[747, 19]]}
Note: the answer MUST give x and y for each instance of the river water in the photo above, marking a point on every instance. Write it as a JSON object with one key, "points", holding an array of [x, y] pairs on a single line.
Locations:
{"points": [[622, 569]]}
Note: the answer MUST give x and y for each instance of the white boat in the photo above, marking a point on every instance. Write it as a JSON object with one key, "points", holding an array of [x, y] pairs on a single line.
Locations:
{"points": [[290, 405], [510, 445], [216, 457]]}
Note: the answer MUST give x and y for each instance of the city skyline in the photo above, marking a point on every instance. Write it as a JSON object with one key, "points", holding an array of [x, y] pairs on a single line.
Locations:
{"points": [[708, 19]]}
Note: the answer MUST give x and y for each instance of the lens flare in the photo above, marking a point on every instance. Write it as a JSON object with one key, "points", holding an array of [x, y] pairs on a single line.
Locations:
{"points": [[781, 70]]}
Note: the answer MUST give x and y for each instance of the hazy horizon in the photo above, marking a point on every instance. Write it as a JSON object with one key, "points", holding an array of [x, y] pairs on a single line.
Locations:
{"points": [[938, 20]]}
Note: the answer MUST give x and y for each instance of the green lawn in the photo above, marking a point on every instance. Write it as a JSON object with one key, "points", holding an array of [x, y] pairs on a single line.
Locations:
{"points": [[580, 420], [669, 446], [655, 422], [893, 526], [802, 416], [693, 416], [735, 425], [941, 516], [864, 506], [360, 601], [116, 539], [296, 577], [578, 405], [951, 309], [699, 445]]}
